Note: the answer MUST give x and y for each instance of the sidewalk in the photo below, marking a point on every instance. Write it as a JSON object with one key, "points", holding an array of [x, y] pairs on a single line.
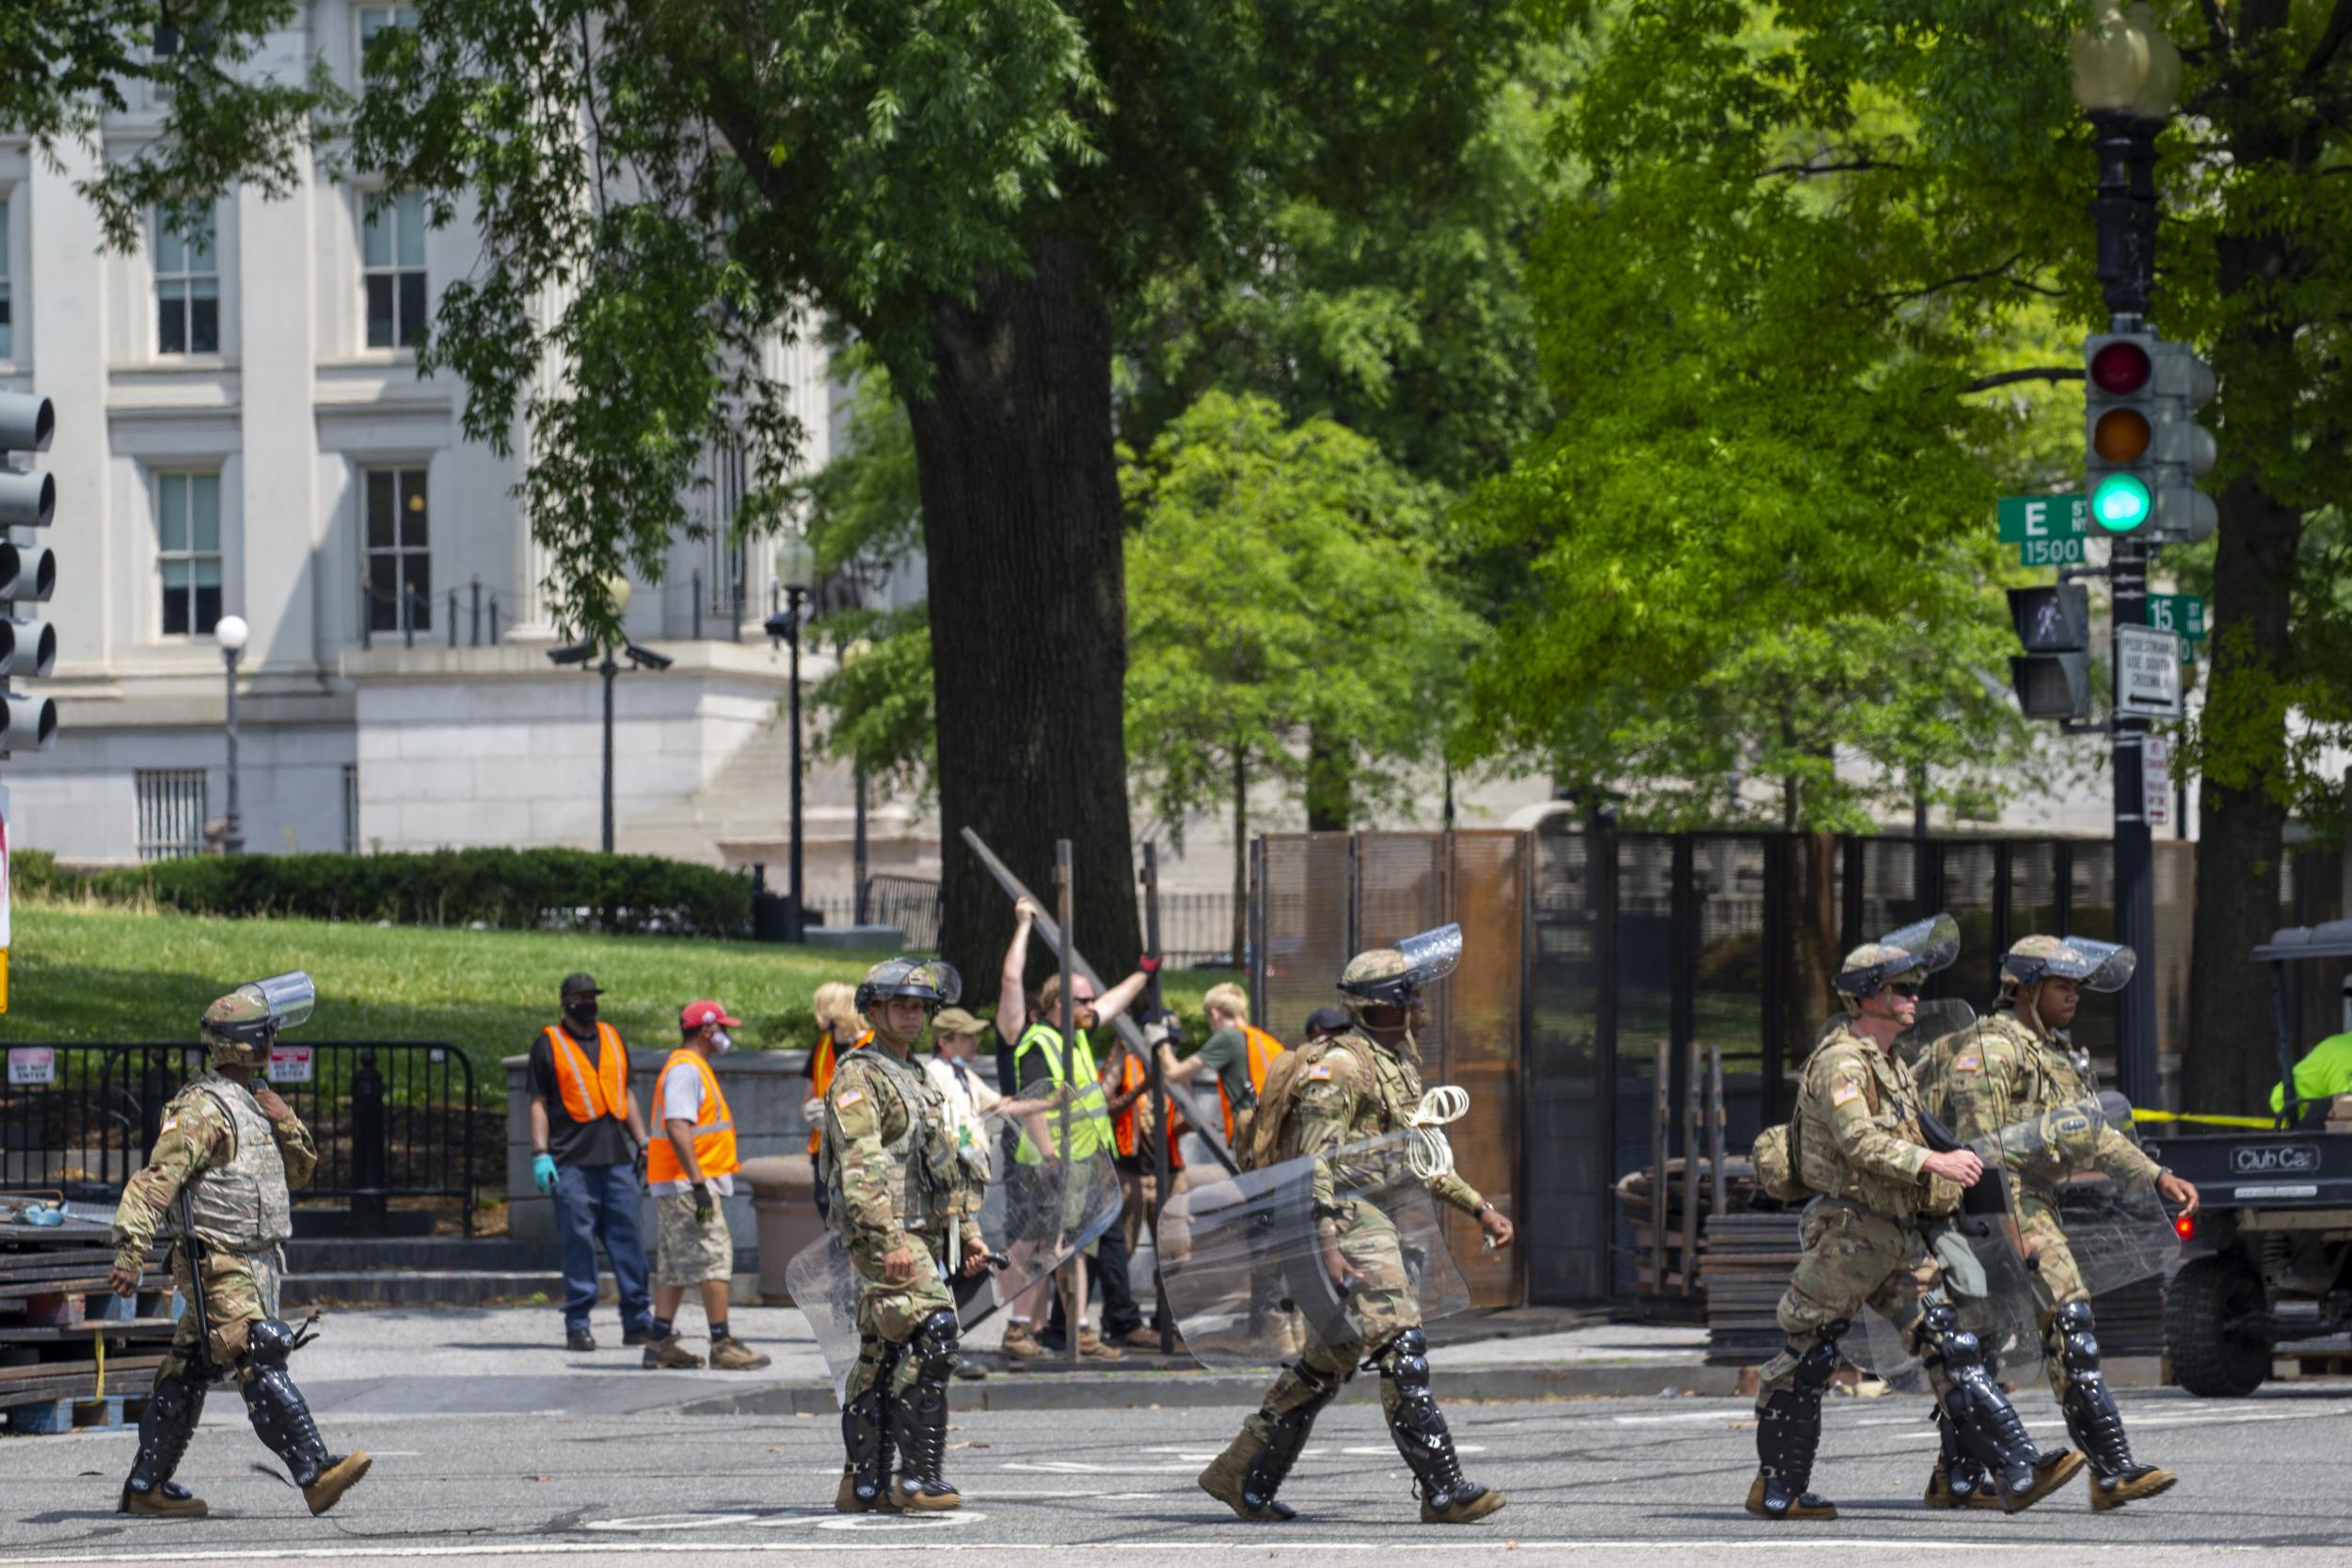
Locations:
{"points": [[510, 1359]]}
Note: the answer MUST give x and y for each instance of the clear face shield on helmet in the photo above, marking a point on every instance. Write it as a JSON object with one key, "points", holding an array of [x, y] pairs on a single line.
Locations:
{"points": [[245, 1020], [932, 982], [1428, 957], [2099, 966]]}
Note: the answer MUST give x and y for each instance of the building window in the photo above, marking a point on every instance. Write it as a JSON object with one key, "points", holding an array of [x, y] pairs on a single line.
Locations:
{"points": [[8, 302], [171, 812], [351, 808], [392, 268], [399, 563], [187, 286], [377, 19], [187, 552]]}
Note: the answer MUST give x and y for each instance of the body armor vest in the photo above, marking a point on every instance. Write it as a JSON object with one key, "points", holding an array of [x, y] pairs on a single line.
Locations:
{"points": [[242, 1206], [924, 1167]]}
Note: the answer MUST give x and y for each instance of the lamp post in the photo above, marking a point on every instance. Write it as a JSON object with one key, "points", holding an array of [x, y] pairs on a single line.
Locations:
{"points": [[232, 633], [618, 591], [796, 566], [2126, 75]]}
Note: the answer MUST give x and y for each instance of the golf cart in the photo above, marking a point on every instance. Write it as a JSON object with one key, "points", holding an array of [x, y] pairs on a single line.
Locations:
{"points": [[2270, 1249]]}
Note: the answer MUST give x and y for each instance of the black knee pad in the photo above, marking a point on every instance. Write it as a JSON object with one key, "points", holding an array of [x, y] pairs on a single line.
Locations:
{"points": [[2077, 1341], [1405, 1361], [934, 1345], [1817, 1365], [269, 1343]]}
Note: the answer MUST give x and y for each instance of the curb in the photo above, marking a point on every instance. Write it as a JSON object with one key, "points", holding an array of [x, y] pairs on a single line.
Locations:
{"points": [[1192, 1390]]}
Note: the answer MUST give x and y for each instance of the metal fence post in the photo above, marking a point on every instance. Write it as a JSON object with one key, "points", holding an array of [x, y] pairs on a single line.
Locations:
{"points": [[476, 630], [370, 1151], [697, 576], [452, 617]]}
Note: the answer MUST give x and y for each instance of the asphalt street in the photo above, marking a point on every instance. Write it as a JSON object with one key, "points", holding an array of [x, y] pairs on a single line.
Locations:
{"points": [[1637, 1481]]}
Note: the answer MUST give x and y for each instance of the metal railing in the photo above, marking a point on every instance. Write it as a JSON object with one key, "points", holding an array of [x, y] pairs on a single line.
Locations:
{"points": [[911, 904], [391, 1119]]}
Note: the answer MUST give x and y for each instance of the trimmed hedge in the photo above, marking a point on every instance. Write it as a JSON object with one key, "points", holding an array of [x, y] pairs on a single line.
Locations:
{"points": [[526, 890]]}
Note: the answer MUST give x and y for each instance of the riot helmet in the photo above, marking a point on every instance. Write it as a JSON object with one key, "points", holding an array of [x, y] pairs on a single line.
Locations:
{"points": [[930, 981], [1394, 976], [2101, 966], [239, 1028], [1921, 949]]}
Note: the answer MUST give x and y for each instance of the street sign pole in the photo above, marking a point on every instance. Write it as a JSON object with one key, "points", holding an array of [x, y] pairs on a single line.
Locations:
{"points": [[2135, 881]]}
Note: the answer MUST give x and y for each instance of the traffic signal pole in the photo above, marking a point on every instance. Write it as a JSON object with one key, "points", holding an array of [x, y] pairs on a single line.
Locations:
{"points": [[2125, 209]]}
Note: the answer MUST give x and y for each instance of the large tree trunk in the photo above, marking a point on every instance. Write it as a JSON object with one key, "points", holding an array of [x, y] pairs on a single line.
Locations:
{"points": [[1241, 853], [2230, 1064], [1021, 525]]}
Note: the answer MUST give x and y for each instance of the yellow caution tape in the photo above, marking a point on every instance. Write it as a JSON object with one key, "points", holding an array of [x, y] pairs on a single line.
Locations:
{"points": [[2264, 1123]]}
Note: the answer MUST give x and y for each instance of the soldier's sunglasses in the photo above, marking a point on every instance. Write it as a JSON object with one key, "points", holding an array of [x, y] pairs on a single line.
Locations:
{"points": [[1905, 988]]}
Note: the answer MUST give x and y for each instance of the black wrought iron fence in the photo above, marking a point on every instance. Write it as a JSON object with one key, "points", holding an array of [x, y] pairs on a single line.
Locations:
{"points": [[391, 1119], [911, 904]]}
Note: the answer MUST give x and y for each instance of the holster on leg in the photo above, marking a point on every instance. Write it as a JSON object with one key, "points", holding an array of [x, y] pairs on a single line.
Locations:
{"points": [[1419, 1431]]}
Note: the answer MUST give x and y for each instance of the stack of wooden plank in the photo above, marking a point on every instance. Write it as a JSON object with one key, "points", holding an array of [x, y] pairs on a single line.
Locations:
{"points": [[1744, 1263], [1675, 1291], [73, 1354]]}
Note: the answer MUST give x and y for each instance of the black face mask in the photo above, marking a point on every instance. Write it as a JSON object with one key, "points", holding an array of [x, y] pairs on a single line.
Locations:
{"points": [[580, 1009]]}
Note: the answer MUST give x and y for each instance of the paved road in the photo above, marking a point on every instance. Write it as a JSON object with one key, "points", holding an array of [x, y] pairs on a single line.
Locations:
{"points": [[1639, 1481]]}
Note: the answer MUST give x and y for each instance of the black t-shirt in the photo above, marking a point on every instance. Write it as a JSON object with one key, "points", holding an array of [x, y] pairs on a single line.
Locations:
{"points": [[604, 1141]]}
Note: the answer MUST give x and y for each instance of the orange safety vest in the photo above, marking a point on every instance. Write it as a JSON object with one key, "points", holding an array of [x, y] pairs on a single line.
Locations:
{"points": [[1124, 1124], [821, 1065], [589, 1092], [714, 1127], [1264, 1048]]}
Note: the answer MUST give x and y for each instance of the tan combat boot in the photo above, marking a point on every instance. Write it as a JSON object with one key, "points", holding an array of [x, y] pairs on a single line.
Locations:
{"points": [[1228, 1473], [733, 1355], [168, 1501], [2108, 1493], [336, 1480], [1091, 1348], [1020, 1342], [1462, 1511]]}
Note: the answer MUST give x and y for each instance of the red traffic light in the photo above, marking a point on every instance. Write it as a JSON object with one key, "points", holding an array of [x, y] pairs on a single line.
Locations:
{"points": [[2121, 367]]}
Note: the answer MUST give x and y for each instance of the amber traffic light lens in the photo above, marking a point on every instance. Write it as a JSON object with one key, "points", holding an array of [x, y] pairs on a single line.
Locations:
{"points": [[2122, 435]]}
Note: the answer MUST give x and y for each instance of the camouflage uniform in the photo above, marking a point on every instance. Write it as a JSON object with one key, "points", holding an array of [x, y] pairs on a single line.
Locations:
{"points": [[222, 1171], [2013, 1069], [896, 1179], [1858, 1146], [1346, 1091], [242, 1263]]}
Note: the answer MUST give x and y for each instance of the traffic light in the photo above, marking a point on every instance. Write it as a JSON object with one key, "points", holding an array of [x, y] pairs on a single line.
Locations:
{"points": [[28, 573], [2119, 422], [2052, 678], [2181, 447]]}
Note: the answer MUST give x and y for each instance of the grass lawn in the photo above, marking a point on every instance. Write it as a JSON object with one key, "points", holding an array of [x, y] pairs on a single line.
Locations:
{"points": [[80, 973]]}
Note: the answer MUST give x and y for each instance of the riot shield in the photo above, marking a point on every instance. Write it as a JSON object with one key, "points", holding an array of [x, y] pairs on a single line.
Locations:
{"points": [[1036, 1210], [2080, 1162], [1254, 1284]]}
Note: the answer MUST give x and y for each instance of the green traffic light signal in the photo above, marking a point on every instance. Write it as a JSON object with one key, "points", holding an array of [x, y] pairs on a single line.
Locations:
{"points": [[2121, 503]]}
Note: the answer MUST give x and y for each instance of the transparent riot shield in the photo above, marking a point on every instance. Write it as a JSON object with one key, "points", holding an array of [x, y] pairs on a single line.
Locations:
{"points": [[1267, 1268], [2079, 1166], [1036, 1210]]}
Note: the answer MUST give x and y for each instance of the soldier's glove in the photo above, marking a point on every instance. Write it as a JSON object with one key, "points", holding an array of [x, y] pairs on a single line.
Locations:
{"points": [[705, 1208]]}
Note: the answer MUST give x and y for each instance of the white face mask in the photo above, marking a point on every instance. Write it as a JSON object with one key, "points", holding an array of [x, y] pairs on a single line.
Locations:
{"points": [[723, 1042]]}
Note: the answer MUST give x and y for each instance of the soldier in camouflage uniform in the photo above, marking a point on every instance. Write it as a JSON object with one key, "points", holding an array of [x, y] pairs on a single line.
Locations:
{"points": [[1857, 1144], [220, 1173], [2020, 1065], [1348, 1090], [896, 1203]]}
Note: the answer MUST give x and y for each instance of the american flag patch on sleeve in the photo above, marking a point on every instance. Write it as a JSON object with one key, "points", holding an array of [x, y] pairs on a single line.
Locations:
{"points": [[1319, 1069]]}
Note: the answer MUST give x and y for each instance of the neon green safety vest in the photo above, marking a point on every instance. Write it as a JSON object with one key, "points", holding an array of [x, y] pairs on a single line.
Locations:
{"points": [[1090, 1127]]}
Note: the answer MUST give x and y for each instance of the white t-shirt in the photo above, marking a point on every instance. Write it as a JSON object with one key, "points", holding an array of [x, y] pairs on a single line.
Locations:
{"points": [[680, 1096], [970, 1097]]}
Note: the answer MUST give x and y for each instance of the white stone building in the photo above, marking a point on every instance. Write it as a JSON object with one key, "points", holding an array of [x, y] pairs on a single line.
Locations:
{"points": [[240, 432]]}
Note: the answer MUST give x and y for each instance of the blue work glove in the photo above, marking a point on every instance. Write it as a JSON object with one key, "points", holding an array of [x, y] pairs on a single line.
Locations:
{"points": [[542, 1172]]}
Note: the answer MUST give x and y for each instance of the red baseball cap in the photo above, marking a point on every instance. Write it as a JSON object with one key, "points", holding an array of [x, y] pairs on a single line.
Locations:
{"points": [[697, 1014]]}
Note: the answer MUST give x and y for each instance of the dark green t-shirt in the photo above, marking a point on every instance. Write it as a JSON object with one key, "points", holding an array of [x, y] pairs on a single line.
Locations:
{"points": [[1227, 1052]]}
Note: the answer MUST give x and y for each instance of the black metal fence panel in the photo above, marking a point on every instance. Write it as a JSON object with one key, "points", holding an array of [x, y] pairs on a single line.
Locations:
{"points": [[391, 1119]]}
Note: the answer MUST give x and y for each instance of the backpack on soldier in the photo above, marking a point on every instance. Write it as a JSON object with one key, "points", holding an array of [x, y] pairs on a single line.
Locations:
{"points": [[1776, 1156], [1261, 1138]]}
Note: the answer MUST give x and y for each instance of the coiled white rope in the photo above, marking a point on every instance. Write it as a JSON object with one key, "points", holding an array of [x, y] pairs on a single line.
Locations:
{"points": [[1429, 1153]]}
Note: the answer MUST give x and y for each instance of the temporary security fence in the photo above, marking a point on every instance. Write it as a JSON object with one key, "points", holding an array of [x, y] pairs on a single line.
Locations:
{"points": [[392, 1118]]}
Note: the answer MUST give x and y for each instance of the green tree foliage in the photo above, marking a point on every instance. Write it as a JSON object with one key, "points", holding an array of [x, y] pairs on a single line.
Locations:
{"points": [[1286, 588], [229, 114]]}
